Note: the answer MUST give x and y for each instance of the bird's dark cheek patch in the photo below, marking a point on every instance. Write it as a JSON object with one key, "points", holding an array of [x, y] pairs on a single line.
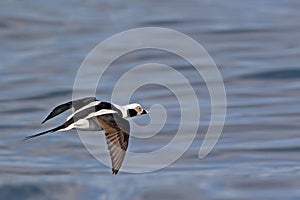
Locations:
{"points": [[132, 112]]}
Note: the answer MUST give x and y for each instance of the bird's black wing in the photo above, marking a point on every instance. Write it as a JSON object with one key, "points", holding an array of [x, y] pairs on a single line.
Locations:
{"points": [[77, 104], [117, 136]]}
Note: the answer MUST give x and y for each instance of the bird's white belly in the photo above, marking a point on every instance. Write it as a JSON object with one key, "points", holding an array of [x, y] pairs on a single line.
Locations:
{"points": [[87, 125]]}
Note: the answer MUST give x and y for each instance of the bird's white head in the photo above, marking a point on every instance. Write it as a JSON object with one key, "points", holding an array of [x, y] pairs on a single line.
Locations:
{"points": [[134, 109]]}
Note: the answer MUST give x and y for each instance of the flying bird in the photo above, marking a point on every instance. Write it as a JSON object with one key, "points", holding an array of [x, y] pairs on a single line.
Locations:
{"points": [[91, 114]]}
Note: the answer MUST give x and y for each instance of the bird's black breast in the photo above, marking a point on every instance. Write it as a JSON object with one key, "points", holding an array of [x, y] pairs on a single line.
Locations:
{"points": [[109, 106]]}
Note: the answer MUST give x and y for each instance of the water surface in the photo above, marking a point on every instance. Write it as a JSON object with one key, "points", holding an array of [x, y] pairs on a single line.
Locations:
{"points": [[256, 47]]}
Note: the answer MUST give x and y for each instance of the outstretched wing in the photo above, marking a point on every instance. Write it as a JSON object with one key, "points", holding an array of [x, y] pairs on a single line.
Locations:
{"points": [[77, 104], [117, 136]]}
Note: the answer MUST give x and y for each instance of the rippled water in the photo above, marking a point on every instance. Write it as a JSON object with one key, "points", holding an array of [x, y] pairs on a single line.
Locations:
{"points": [[256, 47]]}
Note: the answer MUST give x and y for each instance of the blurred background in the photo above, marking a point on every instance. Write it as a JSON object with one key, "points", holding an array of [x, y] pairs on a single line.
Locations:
{"points": [[255, 45]]}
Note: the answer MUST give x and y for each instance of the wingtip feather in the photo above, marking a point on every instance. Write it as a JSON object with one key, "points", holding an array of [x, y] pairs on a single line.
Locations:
{"points": [[44, 120], [115, 171]]}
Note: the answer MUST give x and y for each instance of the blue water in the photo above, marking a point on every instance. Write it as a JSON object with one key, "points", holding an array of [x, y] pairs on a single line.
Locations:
{"points": [[255, 45]]}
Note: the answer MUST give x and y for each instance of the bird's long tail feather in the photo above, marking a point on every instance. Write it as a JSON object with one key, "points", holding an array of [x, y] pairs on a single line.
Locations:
{"points": [[63, 126], [36, 135]]}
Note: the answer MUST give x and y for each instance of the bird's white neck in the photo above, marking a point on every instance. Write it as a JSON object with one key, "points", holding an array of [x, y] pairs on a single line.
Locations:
{"points": [[123, 110]]}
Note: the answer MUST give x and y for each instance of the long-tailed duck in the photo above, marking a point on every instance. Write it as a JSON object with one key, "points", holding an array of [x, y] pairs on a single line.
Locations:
{"points": [[94, 115]]}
